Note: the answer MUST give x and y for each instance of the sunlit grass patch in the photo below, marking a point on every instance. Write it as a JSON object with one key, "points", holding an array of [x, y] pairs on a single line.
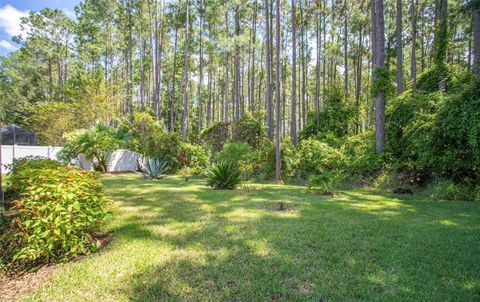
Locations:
{"points": [[180, 240]]}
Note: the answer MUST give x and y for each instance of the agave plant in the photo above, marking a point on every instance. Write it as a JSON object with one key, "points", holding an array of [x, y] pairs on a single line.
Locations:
{"points": [[153, 168], [223, 175]]}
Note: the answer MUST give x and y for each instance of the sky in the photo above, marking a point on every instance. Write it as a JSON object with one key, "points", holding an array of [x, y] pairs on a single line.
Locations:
{"points": [[12, 10]]}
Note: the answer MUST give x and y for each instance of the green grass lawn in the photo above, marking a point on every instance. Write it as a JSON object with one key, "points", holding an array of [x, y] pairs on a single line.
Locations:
{"points": [[176, 240]]}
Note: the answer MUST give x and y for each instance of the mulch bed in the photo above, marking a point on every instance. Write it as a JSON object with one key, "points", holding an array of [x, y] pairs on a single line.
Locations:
{"points": [[13, 288]]}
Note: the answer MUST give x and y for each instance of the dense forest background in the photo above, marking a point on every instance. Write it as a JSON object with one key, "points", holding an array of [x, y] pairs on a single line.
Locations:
{"points": [[398, 78]]}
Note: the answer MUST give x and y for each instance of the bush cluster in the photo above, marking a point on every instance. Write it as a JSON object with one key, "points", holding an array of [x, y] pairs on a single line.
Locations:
{"points": [[151, 140], [315, 156], [194, 157], [336, 119], [435, 134], [56, 214], [30, 164], [241, 154], [216, 135]]}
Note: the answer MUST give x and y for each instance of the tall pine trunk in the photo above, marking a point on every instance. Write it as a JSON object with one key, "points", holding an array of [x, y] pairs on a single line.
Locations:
{"points": [[200, 81], [225, 104], [317, 69], [278, 158], [476, 40], [413, 64], [399, 48], [293, 119], [345, 45], [268, 66], [172, 100], [237, 66], [185, 75], [378, 44], [441, 43]]}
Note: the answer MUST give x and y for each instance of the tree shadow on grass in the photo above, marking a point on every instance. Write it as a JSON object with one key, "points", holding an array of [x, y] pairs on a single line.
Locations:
{"points": [[357, 246]]}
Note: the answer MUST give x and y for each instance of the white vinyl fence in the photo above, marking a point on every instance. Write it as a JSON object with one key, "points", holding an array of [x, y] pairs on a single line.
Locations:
{"points": [[120, 160], [11, 152]]}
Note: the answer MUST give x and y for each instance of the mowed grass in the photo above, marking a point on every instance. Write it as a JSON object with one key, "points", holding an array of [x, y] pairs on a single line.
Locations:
{"points": [[181, 241]]}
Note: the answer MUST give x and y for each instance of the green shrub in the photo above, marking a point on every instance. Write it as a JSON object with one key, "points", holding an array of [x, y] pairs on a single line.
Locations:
{"points": [[31, 163], [264, 160], [57, 213], [216, 135], [448, 190], [223, 176], [336, 119], [387, 179], [455, 143], [323, 183], [428, 81], [409, 122], [248, 129], [10, 243], [28, 163], [165, 146], [242, 154], [360, 154], [150, 140], [435, 132], [143, 129], [194, 157], [315, 157]]}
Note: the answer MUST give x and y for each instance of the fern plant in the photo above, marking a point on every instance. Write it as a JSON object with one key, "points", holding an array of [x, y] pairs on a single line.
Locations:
{"points": [[223, 175], [153, 168]]}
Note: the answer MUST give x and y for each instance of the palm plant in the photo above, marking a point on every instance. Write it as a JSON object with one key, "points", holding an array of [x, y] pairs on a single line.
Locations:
{"points": [[223, 175], [153, 168], [96, 143]]}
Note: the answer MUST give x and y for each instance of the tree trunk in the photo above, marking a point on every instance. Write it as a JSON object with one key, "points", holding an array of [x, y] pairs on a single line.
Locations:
{"points": [[304, 67], [476, 41], [142, 72], [130, 65], [413, 66], [293, 119], [378, 26], [345, 46], [210, 92], [225, 105], [158, 66], [236, 86], [172, 103], [358, 85], [153, 50], [254, 40], [268, 69], [441, 43], [317, 78], [50, 79], [185, 75], [278, 158], [200, 81], [324, 60], [399, 48]]}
